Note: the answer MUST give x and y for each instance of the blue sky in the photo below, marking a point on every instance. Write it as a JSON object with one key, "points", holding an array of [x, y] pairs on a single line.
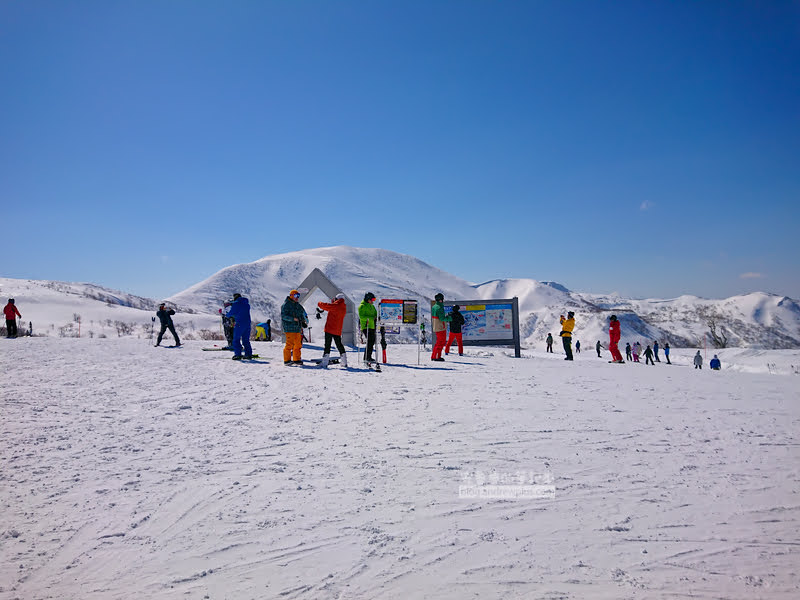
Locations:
{"points": [[647, 148]]}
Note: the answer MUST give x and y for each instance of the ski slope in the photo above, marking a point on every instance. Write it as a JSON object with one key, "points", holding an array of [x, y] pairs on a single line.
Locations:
{"points": [[137, 472]]}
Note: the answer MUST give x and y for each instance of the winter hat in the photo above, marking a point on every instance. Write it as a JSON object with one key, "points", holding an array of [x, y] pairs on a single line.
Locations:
{"points": [[293, 292], [456, 308], [570, 314], [613, 317], [236, 296], [339, 296], [11, 301], [369, 296], [439, 296]]}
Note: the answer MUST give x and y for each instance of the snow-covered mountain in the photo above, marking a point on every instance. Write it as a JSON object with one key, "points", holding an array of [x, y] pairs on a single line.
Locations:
{"points": [[753, 320], [58, 308]]}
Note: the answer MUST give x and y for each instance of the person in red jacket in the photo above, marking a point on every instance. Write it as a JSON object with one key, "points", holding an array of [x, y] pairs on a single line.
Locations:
{"points": [[614, 335], [333, 329], [11, 312]]}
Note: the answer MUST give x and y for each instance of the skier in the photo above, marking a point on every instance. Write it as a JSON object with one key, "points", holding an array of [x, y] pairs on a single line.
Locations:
{"points": [[597, 347], [578, 346], [549, 341], [227, 324], [439, 318], [567, 325], [455, 331], [11, 312], [655, 350], [293, 319], [240, 315], [333, 329], [648, 356], [367, 318], [666, 352], [628, 351], [613, 340], [164, 315], [715, 364], [698, 361]]}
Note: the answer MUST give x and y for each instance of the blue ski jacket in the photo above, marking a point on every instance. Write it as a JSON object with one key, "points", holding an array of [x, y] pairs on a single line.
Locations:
{"points": [[240, 312]]}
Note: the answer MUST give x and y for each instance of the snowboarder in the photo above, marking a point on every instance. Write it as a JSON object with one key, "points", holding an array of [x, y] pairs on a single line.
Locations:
{"points": [[240, 315], [698, 361], [164, 315], [655, 350], [11, 312], [455, 331], [367, 319], [648, 356], [597, 347], [628, 351], [333, 329], [666, 352], [293, 319], [715, 364], [549, 341], [439, 318], [567, 325], [613, 340]]}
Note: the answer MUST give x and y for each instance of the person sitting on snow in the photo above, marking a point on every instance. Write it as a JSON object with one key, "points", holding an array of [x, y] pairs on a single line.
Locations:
{"points": [[715, 364]]}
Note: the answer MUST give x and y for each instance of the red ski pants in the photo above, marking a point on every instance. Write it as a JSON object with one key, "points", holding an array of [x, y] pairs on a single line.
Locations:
{"points": [[441, 338], [615, 354], [455, 337]]}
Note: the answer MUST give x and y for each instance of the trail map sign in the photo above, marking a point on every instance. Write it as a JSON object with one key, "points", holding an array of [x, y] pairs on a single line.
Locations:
{"points": [[489, 322], [393, 313]]}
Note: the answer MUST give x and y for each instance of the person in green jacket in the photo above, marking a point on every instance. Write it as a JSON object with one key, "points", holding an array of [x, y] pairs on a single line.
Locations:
{"points": [[368, 317], [439, 318]]}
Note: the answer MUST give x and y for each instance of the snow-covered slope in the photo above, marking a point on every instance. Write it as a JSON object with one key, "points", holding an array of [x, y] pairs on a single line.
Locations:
{"points": [[754, 320], [58, 308]]}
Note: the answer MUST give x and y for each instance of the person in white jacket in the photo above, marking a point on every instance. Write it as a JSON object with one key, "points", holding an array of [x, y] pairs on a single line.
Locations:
{"points": [[698, 361]]}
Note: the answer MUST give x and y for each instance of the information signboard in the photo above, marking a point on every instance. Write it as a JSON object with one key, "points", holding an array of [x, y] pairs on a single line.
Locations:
{"points": [[489, 322]]}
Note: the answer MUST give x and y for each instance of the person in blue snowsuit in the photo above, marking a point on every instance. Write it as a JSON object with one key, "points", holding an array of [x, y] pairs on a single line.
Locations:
{"points": [[240, 313]]}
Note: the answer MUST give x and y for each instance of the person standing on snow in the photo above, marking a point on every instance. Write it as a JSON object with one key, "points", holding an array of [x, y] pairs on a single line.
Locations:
{"points": [[597, 347], [164, 315], [293, 319], [438, 319], [666, 352], [715, 364], [655, 350], [227, 325], [637, 347], [11, 312], [455, 331], [698, 361], [367, 319], [648, 356], [613, 340], [578, 346], [567, 325], [549, 341], [337, 309], [240, 315], [628, 351]]}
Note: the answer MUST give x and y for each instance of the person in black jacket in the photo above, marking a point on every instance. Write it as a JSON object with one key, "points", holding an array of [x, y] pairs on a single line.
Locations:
{"points": [[164, 315], [455, 331]]}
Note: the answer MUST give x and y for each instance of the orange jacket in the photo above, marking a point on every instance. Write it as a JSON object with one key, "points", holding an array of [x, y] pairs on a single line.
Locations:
{"points": [[336, 311]]}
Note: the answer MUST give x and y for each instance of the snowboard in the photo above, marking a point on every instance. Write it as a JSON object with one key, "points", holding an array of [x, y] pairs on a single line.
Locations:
{"points": [[333, 361], [251, 357], [216, 349]]}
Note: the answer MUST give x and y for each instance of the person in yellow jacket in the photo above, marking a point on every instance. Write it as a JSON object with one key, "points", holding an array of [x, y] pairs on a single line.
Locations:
{"points": [[567, 325]]}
